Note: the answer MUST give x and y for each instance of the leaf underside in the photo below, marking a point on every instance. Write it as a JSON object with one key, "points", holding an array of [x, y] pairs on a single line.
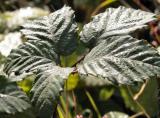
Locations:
{"points": [[122, 60]]}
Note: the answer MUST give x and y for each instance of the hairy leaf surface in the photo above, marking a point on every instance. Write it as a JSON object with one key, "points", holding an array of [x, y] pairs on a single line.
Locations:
{"points": [[114, 21], [59, 29], [47, 88], [48, 38], [29, 57], [122, 60]]}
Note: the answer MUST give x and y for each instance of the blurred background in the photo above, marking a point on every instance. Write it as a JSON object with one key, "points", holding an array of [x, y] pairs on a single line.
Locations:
{"points": [[91, 98]]}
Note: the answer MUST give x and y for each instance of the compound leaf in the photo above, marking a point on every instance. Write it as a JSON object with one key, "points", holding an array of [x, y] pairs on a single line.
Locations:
{"points": [[122, 60]]}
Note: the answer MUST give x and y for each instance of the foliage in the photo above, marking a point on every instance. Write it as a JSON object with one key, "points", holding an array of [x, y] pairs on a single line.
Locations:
{"points": [[13, 100], [51, 57]]}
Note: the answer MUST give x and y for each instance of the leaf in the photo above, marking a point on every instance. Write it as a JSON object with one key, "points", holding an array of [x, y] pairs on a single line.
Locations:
{"points": [[115, 114], [59, 29], [26, 114], [29, 57], [46, 90], [149, 94], [106, 93], [26, 84], [69, 61], [158, 49], [151, 91], [46, 36], [114, 21], [12, 100], [128, 99], [72, 82], [121, 60], [2, 59]]}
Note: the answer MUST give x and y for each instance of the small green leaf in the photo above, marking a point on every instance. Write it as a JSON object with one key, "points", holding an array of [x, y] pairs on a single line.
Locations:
{"points": [[26, 84], [72, 82], [106, 93]]}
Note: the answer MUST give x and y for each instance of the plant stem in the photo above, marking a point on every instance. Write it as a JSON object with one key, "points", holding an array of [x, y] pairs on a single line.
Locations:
{"points": [[93, 104], [67, 104], [138, 2], [60, 112], [79, 61], [136, 115], [139, 105], [136, 96], [75, 102], [103, 4]]}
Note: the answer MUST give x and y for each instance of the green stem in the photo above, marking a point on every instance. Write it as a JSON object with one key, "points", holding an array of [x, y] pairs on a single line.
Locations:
{"points": [[93, 104]]}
